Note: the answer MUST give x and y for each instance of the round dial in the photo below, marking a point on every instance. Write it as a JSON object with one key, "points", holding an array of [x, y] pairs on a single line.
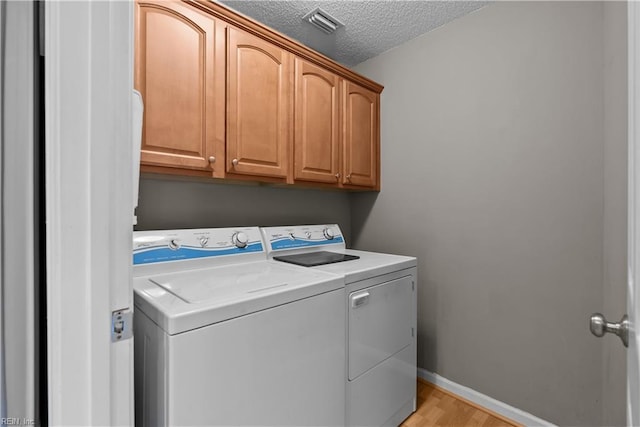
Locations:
{"points": [[240, 239], [328, 233], [203, 241], [174, 244]]}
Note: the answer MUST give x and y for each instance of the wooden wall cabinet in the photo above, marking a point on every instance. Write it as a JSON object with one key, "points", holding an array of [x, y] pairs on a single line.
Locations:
{"points": [[317, 124], [227, 97], [258, 106], [337, 137], [361, 145], [179, 70]]}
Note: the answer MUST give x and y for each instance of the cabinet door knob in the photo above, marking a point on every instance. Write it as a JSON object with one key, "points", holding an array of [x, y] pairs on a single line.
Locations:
{"points": [[338, 176], [349, 177], [212, 159], [234, 162]]}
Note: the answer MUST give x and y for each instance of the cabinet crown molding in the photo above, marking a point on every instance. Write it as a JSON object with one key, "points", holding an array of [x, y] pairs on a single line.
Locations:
{"points": [[257, 29]]}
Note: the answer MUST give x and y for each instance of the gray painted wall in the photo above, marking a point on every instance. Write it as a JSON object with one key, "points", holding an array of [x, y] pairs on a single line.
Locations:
{"points": [[615, 208], [166, 203], [493, 175]]}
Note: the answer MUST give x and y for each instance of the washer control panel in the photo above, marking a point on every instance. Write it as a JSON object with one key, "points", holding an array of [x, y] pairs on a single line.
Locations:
{"points": [[176, 245], [302, 236]]}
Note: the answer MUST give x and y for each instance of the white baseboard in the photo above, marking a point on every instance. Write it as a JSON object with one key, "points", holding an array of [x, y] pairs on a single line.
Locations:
{"points": [[483, 400]]}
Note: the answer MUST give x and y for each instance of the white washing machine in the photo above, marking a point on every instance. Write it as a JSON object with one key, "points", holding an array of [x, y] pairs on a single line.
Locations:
{"points": [[380, 302], [224, 337]]}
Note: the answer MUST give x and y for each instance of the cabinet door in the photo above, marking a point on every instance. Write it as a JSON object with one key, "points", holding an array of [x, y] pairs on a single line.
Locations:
{"points": [[317, 117], [259, 103], [362, 137], [177, 75]]}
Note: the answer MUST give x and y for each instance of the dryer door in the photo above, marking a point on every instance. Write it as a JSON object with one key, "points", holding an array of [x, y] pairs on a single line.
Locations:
{"points": [[380, 323]]}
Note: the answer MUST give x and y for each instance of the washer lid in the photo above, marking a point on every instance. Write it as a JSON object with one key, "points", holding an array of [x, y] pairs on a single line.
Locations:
{"points": [[232, 282], [182, 301]]}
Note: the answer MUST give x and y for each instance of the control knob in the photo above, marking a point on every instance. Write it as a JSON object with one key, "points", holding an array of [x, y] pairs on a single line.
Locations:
{"points": [[174, 244], [240, 239], [203, 241], [328, 233]]}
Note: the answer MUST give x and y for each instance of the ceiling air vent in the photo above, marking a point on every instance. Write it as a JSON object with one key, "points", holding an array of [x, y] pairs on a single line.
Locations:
{"points": [[322, 20]]}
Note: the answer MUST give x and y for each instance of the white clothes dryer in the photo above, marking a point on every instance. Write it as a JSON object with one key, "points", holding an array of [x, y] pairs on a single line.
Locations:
{"points": [[380, 301]]}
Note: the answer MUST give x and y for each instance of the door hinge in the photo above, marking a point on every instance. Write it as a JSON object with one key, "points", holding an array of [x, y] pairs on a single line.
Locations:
{"points": [[413, 285], [412, 332], [121, 325]]}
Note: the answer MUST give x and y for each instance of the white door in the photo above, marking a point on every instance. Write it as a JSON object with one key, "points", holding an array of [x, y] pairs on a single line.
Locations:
{"points": [[88, 172], [19, 278], [633, 298], [625, 328]]}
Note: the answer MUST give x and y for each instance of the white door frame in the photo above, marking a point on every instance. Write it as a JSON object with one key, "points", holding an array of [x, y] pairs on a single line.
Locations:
{"points": [[88, 90], [633, 298]]}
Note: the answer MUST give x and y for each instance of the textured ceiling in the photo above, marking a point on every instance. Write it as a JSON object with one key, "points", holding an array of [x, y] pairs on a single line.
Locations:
{"points": [[371, 27]]}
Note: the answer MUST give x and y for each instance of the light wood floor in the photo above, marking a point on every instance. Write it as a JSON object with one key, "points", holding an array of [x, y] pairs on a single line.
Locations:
{"points": [[438, 407]]}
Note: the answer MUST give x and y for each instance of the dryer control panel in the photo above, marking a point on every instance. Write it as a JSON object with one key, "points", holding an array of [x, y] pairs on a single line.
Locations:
{"points": [[302, 236], [177, 245]]}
